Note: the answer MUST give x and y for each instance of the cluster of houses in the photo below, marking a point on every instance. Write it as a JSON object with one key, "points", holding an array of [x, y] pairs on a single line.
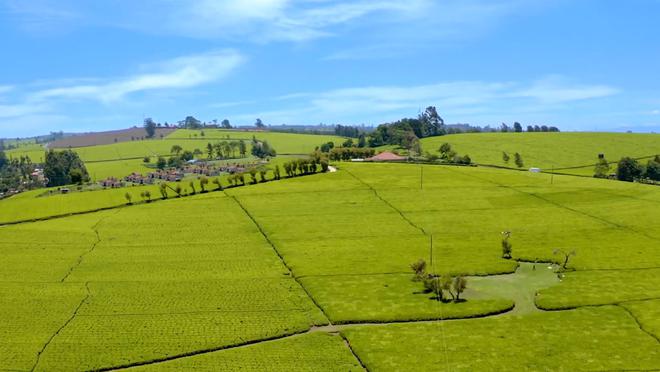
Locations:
{"points": [[174, 174]]}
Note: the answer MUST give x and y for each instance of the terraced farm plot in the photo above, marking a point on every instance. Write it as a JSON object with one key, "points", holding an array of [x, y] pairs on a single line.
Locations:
{"points": [[576, 151], [593, 339], [586, 288], [133, 295], [284, 143], [192, 283], [310, 352]]}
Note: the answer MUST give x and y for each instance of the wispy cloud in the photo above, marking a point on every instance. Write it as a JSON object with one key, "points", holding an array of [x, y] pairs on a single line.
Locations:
{"points": [[556, 89], [183, 72], [40, 16], [173, 75], [459, 100], [277, 20]]}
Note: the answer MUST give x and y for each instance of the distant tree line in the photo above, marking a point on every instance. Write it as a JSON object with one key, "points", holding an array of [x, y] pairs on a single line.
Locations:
{"points": [[347, 131], [226, 149], [517, 128]]}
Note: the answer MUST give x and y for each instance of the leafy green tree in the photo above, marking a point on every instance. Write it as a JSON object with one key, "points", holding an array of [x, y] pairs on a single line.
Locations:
{"points": [[225, 124], [628, 169], [150, 127], [433, 285], [77, 176], [602, 169], [242, 148], [216, 181], [505, 157], [262, 149], [161, 163], [60, 166], [262, 174], [163, 190], [445, 151], [362, 140], [276, 172], [203, 181], [259, 124], [653, 169], [176, 150], [192, 187], [129, 198], [517, 127], [517, 158], [446, 285], [209, 150], [178, 190], [419, 270], [187, 155], [459, 284], [191, 123], [146, 160], [530, 128]]}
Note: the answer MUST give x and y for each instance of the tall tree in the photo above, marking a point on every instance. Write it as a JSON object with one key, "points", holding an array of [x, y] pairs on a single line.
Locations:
{"points": [[517, 158], [517, 127], [225, 124], [628, 169], [150, 127], [259, 123]]}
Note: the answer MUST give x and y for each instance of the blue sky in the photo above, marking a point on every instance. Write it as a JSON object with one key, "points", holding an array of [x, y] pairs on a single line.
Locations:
{"points": [[95, 65]]}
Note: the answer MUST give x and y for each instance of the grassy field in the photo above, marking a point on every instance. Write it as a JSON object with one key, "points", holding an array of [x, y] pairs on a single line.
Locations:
{"points": [[193, 282], [548, 150]]}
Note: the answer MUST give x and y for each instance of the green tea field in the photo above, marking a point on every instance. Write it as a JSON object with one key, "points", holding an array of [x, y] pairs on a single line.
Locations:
{"points": [[571, 153], [123, 158], [313, 274]]}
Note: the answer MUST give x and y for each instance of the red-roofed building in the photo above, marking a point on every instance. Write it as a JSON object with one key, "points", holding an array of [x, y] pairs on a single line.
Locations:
{"points": [[387, 156]]}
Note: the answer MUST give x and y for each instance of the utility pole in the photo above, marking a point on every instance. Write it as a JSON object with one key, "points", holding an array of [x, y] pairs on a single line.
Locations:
{"points": [[552, 175], [421, 177], [431, 251]]}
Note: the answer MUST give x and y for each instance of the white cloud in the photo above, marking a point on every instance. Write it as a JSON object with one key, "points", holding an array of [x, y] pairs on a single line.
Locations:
{"points": [[183, 72], [22, 109], [461, 100], [556, 89], [267, 20]]}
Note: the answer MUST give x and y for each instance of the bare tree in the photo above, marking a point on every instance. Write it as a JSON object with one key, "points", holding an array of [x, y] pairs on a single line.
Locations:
{"points": [[506, 245], [419, 268], [567, 255]]}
